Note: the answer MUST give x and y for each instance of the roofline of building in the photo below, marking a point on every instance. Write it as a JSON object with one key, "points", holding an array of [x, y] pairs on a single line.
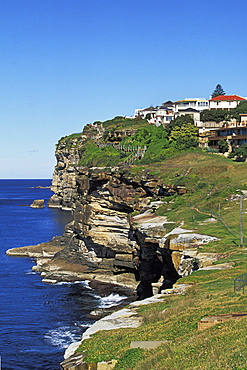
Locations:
{"points": [[227, 98]]}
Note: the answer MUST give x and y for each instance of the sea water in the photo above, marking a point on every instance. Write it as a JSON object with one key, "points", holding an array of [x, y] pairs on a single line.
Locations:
{"points": [[37, 321]]}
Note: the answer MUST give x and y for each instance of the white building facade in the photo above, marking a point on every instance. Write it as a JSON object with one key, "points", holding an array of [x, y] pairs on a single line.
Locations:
{"points": [[227, 102], [195, 103], [161, 115]]}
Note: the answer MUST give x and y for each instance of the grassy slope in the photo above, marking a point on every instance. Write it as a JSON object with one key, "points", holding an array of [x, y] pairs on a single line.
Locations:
{"points": [[210, 179]]}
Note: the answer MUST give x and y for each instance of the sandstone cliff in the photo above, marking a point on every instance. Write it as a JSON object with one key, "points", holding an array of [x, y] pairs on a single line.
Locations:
{"points": [[104, 237], [105, 241], [115, 236]]}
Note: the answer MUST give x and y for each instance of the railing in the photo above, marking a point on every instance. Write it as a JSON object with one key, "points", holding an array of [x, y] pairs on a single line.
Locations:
{"points": [[137, 153], [126, 148], [240, 282]]}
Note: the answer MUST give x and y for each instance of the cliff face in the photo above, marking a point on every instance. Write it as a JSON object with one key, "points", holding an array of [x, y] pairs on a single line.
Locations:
{"points": [[105, 241], [115, 235], [102, 234], [63, 181]]}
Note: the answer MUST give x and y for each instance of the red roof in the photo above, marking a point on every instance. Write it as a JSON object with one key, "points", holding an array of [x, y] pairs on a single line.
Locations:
{"points": [[227, 98]]}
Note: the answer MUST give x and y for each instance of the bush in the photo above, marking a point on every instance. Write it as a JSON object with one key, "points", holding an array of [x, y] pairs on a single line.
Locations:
{"points": [[184, 143], [93, 156], [240, 153], [146, 136], [223, 146], [178, 122]]}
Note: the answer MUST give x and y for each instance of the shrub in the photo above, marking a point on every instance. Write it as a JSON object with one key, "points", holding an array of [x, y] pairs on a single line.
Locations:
{"points": [[92, 155]]}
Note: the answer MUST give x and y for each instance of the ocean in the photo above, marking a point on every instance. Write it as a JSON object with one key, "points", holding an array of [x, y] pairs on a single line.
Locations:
{"points": [[38, 321]]}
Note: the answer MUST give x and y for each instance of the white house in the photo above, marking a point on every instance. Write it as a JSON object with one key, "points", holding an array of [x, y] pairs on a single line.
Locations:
{"points": [[142, 112], [227, 102], [195, 103], [164, 113], [158, 116], [191, 112], [163, 116]]}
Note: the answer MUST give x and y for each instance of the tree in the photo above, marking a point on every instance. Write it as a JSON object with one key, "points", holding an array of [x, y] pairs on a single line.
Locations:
{"points": [[178, 122], [186, 142], [217, 115], [187, 130], [241, 108], [223, 145], [218, 91]]}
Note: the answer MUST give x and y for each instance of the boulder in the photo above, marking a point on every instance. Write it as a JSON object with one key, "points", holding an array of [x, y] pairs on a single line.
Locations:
{"points": [[54, 201], [38, 203]]}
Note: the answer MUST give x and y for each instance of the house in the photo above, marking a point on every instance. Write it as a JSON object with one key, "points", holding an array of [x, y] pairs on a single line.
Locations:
{"points": [[165, 113], [191, 107], [161, 115], [227, 102], [210, 132], [191, 112], [143, 112], [235, 135], [196, 103]]}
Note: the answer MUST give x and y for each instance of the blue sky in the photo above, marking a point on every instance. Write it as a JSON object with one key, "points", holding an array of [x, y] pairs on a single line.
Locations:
{"points": [[66, 63]]}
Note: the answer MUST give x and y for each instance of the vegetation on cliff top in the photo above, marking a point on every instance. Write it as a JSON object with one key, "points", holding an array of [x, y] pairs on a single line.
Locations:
{"points": [[116, 141], [94, 156]]}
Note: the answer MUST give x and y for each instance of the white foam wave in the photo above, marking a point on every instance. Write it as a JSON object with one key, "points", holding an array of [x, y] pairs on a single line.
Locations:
{"points": [[85, 283], [30, 272], [63, 336], [111, 300]]}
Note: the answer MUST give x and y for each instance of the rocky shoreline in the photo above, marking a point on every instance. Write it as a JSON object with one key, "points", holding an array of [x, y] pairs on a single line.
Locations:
{"points": [[58, 261]]}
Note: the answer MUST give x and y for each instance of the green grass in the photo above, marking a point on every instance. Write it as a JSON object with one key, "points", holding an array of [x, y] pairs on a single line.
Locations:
{"points": [[175, 321], [130, 358]]}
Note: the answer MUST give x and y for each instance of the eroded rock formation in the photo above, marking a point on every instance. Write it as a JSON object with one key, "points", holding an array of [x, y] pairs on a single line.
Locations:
{"points": [[103, 237], [105, 241]]}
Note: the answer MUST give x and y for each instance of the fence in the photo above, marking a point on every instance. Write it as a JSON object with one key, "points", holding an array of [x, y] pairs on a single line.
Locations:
{"points": [[240, 282], [236, 234]]}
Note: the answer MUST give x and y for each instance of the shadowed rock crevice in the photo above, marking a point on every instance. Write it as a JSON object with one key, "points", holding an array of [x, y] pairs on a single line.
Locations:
{"points": [[154, 263]]}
